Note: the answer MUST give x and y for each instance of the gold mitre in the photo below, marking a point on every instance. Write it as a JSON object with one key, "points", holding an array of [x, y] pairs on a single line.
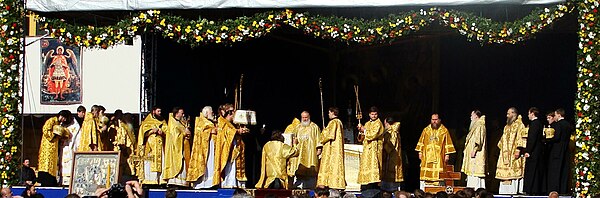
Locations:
{"points": [[290, 128], [103, 120], [59, 130], [549, 133]]}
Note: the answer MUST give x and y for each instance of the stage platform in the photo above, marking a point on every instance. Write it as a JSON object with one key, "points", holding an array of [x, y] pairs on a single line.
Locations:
{"points": [[59, 192]]}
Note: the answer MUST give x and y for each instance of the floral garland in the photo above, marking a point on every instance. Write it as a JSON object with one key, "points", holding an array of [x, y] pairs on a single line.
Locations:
{"points": [[587, 104], [202, 31], [11, 48]]}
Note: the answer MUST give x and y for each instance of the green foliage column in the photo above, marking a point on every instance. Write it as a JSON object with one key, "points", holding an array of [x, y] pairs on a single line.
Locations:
{"points": [[11, 49], [587, 104]]}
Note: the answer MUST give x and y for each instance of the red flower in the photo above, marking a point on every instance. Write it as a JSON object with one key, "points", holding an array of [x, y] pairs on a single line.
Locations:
{"points": [[581, 173], [11, 56], [587, 138], [595, 10], [7, 7], [590, 42], [14, 25], [579, 114]]}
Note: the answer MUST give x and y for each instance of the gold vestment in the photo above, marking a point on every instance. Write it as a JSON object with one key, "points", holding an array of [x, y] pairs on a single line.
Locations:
{"points": [[200, 148], [331, 169], [475, 141], [509, 167], [174, 148], [52, 132], [307, 162], [90, 134], [125, 142], [370, 158], [150, 146], [434, 144], [392, 155], [225, 151], [273, 163]]}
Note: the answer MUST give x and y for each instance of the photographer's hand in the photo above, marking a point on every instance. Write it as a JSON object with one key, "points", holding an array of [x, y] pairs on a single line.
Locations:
{"points": [[136, 187]]}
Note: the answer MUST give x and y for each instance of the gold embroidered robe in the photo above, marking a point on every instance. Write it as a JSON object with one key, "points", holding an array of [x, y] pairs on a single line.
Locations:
{"points": [[150, 146], [331, 169], [370, 158], [225, 151], [434, 144], [125, 142], [475, 141], [307, 162], [392, 155], [509, 167], [174, 148], [52, 132], [200, 148], [273, 163], [90, 134]]}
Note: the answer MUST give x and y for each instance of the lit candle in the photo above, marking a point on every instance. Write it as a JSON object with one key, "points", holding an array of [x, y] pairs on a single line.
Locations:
{"points": [[108, 177]]}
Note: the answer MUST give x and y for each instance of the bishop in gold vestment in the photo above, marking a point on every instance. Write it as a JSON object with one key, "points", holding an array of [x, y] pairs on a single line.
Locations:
{"points": [[510, 164], [52, 133], [90, 133], [331, 170], [474, 154], [275, 154], [434, 148], [230, 168], [175, 161], [392, 156], [305, 167], [202, 162], [370, 158], [150, 148]]}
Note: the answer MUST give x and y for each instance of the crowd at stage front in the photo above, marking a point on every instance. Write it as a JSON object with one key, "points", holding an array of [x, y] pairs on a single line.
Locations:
{"points": [[167, 151]]}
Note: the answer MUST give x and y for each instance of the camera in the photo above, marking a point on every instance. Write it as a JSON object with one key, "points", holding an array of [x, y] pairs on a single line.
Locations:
{"points": [[117, 190]]}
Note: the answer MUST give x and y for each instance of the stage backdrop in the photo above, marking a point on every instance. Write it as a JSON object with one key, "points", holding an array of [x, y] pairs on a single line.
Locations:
{"points": [[109, 77]]}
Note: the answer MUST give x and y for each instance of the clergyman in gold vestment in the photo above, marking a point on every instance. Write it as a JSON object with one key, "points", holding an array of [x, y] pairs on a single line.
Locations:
{"points": [[202, 162], [434, 147], [273, 171], [510, 163], [150, 148], [124, 141], [370, 158], [331, 170], [52, 133], [90, 131], [305, 167], [230, 168], [176, 160], [392, 173], [474, 154]]}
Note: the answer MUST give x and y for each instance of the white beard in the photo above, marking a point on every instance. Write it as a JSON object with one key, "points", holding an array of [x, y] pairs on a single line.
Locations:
{"points": [[305, 124], [472, 123]]}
